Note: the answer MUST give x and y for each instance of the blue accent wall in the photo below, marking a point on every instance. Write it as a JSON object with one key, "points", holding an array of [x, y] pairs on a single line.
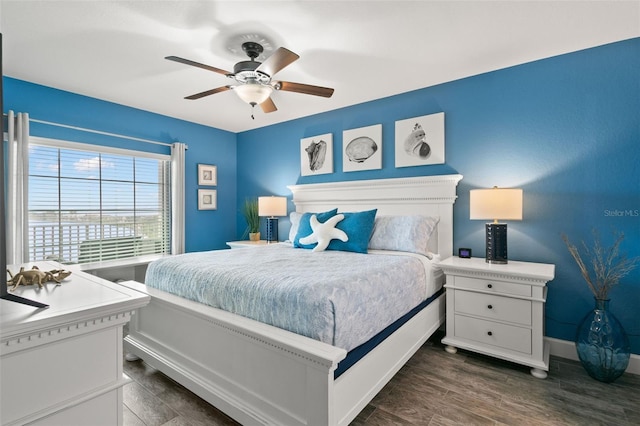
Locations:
{"points": [[565, 129], [206, 229]]}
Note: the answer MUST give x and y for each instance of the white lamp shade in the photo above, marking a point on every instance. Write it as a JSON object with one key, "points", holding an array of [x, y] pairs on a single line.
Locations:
{"points": [[253, 93], [272, 206], [496, 203]]}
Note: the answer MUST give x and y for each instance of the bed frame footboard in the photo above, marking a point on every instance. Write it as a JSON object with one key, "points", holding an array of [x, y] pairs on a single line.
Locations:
{"points": [[259, 374]]}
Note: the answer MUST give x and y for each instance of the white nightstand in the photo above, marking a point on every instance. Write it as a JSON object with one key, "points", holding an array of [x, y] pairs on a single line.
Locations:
{"points": [[498, 310], [246, 244]]}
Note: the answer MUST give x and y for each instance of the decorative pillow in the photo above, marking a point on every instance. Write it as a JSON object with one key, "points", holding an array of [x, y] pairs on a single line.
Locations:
{"points": [[294, 218], [358, 227], [323, 233], [403, 233], [304, 227]]}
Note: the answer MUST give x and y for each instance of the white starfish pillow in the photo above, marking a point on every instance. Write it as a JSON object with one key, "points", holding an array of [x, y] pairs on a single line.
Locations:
{"points": [[323, 233]]}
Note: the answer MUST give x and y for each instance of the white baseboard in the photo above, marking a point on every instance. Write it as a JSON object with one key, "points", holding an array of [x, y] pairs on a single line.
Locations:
{"points": [[567, 349]]}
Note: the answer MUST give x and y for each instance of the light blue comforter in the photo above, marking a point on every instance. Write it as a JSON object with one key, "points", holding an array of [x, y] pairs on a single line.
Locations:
{"points": [[337, 297]]}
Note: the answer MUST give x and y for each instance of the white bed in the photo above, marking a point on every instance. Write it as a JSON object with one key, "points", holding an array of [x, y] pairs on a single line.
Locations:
{"points": [[260, 374]]}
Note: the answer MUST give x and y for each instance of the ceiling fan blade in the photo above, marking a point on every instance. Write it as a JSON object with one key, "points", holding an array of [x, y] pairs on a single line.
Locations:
{"points": [[280, 59], [268, 106], [307, 89], [208, 92], [198, 64]]}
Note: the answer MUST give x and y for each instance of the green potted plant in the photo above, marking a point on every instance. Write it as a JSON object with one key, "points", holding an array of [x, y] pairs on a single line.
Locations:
{"points": [[601, 342], [250, 212]]}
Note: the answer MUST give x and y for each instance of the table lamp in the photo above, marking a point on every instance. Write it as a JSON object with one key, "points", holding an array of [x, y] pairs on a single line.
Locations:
{"points": [[497, 204], [272, 207]]}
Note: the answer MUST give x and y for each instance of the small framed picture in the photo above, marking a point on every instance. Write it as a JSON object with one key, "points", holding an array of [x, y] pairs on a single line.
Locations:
{"points": [[207, 199], [420, 140], [362, 149], [316, 155], [207, 175]]}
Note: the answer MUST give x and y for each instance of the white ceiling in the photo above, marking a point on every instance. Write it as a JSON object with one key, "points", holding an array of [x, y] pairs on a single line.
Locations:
{"points": [[114, 50]]}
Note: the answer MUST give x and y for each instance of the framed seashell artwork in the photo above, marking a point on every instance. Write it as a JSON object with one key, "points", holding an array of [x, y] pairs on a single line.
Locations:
{"points": [[362, 148], [316, 155], [420, 140], [207, 199], [207, 175]]}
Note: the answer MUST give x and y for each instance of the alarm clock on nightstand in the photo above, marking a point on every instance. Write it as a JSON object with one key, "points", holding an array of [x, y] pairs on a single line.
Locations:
{"points": [[464, 253]]}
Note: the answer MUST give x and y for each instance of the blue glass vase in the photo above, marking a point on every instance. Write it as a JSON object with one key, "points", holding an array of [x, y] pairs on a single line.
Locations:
{"points": [[602, 344]]}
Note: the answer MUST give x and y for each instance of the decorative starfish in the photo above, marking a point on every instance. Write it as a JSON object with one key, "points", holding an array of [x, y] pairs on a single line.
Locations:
{"points": [[323, 233]]}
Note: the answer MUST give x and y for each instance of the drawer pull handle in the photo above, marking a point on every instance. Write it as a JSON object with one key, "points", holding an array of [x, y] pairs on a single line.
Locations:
{"points": [[489, 333], [490, 306], [489, 285]]}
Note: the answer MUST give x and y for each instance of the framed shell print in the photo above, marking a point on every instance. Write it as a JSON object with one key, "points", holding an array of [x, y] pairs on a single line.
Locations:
{"points": [[207, 199], [420, 140], [207, 175], [316, 155], [362, 148]]}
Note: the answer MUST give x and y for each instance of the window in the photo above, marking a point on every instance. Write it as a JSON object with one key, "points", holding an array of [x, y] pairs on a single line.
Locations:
{"points": [[90, 203]]}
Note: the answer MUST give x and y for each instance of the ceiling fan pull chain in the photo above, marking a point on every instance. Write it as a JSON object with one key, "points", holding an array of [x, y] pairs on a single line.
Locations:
{"points": [[253, 105]]}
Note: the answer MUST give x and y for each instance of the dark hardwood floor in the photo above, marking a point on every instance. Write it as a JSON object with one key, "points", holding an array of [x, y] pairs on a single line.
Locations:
{"points": [[434, 388]]}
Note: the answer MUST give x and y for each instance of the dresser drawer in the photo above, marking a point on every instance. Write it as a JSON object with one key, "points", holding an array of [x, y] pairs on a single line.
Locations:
{"points": [[493, 286], [58, 372], [493, 307], [492, 333]]}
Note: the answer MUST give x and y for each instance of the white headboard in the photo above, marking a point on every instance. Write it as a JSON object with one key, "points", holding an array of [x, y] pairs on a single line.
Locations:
{"points": [[426, 195]]}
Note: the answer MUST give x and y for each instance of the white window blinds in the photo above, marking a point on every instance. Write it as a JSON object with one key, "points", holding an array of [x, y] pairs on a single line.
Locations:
{"points": [[95, 203]]}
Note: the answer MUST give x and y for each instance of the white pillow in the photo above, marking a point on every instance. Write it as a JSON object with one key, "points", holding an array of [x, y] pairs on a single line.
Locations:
{"points": [[294, 218], [403, 233]]}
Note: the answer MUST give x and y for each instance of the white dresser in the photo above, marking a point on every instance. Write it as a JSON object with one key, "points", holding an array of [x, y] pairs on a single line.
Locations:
{"points": [[63, 365], [498, 310]]}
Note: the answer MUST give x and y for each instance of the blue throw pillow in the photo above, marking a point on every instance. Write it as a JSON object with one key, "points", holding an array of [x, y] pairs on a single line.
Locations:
{"points": [[304, 227], [358, 227]]}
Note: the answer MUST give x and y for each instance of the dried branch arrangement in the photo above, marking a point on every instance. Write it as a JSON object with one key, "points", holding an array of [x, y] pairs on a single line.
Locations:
{"points": [[605, 267]]}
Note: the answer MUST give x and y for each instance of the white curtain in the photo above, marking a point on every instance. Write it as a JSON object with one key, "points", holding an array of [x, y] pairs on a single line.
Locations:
{"points": [[18, 189], [178, 151]]}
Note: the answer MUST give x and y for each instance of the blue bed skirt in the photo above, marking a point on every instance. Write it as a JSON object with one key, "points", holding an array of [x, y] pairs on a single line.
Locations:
{"points": [[356, 354]]}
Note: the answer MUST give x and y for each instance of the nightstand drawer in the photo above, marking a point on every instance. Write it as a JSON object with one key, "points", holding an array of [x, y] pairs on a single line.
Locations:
{"points": [[492, 333], [493, 286], [493, 307]]}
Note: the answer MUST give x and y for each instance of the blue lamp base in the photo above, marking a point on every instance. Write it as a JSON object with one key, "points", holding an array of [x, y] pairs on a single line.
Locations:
{"points": [[496, 243], [272, 230]]}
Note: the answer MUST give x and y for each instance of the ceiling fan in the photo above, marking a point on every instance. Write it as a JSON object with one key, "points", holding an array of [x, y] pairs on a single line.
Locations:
{"points": [[254, 79]]}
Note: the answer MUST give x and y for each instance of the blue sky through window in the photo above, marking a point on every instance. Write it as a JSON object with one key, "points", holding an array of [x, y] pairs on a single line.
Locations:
{"points": [[91, 199], [78, 176]]}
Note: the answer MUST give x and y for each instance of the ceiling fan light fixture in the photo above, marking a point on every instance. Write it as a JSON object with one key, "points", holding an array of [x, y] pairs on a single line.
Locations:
{"points": [[254, 77], [253, 93]]}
